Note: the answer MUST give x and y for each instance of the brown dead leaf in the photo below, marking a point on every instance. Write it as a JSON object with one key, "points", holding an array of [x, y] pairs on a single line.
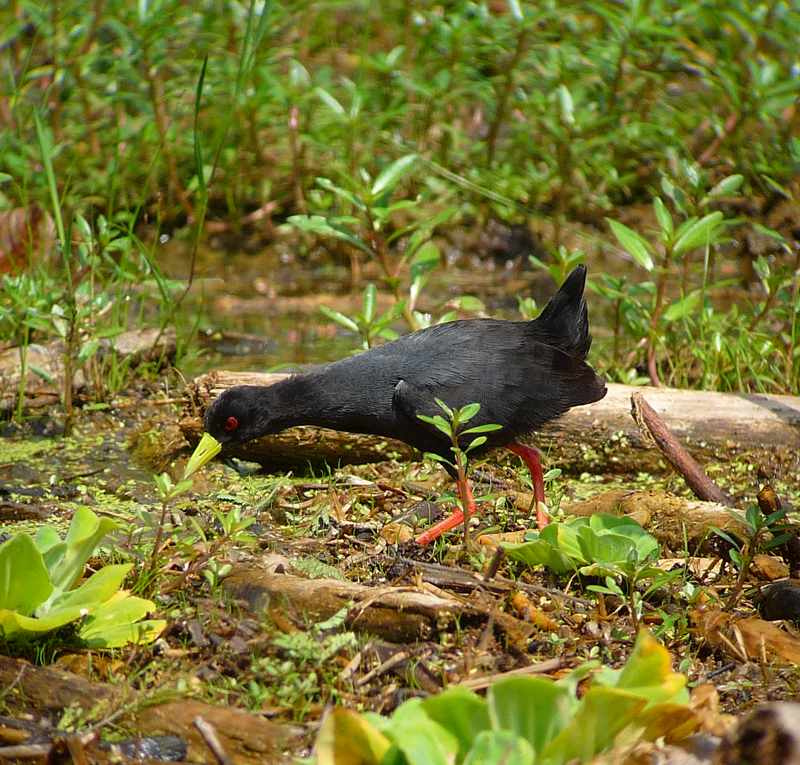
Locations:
{"points": [[396, 533], [769, 567], [26, 233], [747, 638]]}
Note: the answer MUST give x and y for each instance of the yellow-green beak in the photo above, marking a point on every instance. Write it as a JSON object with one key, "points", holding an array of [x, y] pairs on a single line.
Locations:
{"points": [[206, 450]]}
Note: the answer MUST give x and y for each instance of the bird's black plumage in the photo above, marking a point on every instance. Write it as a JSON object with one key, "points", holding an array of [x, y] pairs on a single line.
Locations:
{"points": [[522, 373]]}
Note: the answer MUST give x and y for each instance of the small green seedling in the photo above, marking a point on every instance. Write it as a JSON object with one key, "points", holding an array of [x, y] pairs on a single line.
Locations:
{"points": [[452, 427]]}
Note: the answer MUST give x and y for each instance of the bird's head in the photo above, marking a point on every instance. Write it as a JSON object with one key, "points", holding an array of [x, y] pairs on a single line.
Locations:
{"points": [[234, 418]]}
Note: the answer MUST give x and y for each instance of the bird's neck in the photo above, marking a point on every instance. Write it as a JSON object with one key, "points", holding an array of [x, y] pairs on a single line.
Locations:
{"points": [[307, 400]]}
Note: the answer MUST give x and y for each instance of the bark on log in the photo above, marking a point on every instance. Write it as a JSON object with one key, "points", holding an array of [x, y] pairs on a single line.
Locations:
{"points": [[399, 615], [598, 437]]}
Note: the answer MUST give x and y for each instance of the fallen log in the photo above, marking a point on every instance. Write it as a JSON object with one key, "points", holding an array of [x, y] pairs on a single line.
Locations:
{"points": [[598, 437], [396, 614]]}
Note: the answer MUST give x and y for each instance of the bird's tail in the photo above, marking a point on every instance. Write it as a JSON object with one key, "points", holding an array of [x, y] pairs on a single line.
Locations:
{"points": [[564, 322]]}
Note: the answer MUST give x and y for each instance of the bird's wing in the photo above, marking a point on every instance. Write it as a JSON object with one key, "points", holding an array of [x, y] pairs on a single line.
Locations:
{"points": [[520, 388]]}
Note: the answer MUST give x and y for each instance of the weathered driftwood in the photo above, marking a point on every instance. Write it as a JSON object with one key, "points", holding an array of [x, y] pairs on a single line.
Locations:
{"points": [[601, 436], [44, 377]]}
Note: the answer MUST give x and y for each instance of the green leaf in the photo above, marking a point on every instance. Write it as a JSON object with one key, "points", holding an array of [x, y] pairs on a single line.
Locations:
{"points": [[634, 243], [24, 582], [467, 303], [370, 302], [726, 186], [566, 104], [516, 10], [697, 233], [347, 737], [476, 442], [88, 350], [84, 534], [391, 175], [482, 429], [438, 422], [682, 307], [664, 219], [117, 623], [330, 102], [460, 711], [603, 712], [419, 738], [500, 747], [538, 553], [340, 318], [532, 707], [647, 673], [467, 412]]}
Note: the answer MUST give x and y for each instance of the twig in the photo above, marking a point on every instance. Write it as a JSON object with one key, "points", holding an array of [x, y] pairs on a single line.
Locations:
{"points": [[390, 663], [209, 734], [542, 668], [654, 429]]}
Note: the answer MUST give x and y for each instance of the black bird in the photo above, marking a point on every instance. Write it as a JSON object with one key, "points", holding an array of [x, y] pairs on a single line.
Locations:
{"points": [[522, 373]]}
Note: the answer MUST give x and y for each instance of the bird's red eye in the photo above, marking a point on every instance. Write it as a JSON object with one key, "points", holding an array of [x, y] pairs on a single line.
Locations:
{"points": [[231, 423]]}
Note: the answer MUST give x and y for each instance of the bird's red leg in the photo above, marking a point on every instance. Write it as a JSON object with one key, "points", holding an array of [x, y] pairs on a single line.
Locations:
{"points": [[452, 520], [533, 460]]}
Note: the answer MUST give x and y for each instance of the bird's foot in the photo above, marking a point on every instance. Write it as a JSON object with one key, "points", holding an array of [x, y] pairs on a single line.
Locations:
{"points": [[456, 518]]}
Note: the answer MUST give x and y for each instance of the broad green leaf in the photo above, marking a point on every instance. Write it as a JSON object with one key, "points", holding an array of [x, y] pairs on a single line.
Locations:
{"points": [[117, 623], [602, 713], [96, 590], [604, 548], [391, 175], [419, 738], [538, 553], [634, 243], [24, 582], [84, 534], [70, 606], [468, 412], [682, 307], [460, 711], [698, 233], [532, 707], [647, 673], [500, 747], [347, 738]]}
